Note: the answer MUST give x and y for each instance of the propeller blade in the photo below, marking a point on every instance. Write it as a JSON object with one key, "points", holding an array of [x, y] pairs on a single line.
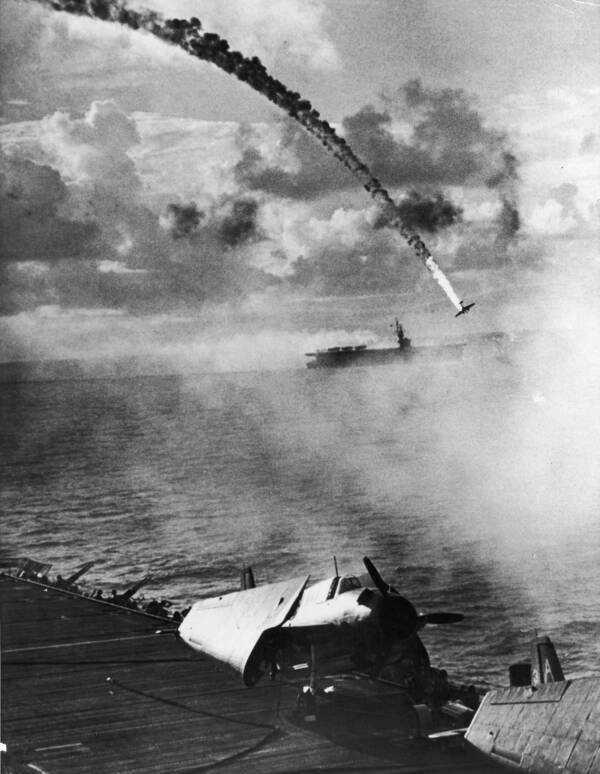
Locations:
{"points": [[376, 577], [399, 618], [440, 618]]}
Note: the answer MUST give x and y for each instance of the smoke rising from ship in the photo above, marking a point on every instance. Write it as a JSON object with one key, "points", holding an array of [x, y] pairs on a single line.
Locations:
{"points": [[188, 35]]}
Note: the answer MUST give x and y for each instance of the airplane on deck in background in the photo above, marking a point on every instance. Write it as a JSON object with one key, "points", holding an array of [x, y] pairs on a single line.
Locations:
{"points": [[261, 629], [464, 309]]}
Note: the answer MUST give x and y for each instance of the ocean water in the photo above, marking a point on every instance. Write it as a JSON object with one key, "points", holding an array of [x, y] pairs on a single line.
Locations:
{"points": [[474, 487]]}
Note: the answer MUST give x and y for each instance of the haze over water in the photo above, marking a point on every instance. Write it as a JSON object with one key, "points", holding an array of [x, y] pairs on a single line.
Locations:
{"points": [[472, 486]]}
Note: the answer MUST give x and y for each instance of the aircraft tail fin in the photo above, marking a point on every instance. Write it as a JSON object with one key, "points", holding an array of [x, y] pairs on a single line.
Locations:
{"points": [[545, 666], [76, 575]]}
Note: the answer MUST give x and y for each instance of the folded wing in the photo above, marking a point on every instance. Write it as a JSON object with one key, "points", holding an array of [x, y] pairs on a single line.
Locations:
{"points": [[235, 628]]}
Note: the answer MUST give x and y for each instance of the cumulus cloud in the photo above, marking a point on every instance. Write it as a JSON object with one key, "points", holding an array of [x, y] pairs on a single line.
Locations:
{"points": [[447, 144], [250, 224], [339, 270], [77, 208], [50, 60], [93, 149], [551, 219], [295, 28], [144, 254], [347, 254], [300, 170], [34, 224], [440, 141], [53, 60], [564, 211]]}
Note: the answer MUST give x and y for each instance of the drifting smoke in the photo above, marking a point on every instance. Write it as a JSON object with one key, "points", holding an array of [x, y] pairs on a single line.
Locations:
{"points": [[505, 182], [181, 220], [188, 35], [509, 222], [235, 223], [239, 225], [428, 213]]}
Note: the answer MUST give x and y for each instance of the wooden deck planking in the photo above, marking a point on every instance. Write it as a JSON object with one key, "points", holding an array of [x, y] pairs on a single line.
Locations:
{"points": [[89, 687]]}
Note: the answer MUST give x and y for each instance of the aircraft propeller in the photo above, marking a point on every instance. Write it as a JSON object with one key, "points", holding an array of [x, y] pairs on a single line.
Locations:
{"points": [[399, 618], [384, 587]]}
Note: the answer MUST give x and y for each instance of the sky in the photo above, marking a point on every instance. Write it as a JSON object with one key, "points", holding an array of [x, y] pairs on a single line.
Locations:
{"points": [[146, 194]]}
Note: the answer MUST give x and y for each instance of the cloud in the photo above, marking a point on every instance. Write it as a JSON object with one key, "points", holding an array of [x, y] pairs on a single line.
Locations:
{"points": [[51, 60], [564, 211], [293, 28], [78, 208], [34, 225], [447, 144], [566, 194], [339, 270], [300, 170], [174, 213], [393, 160], [551, 219], [93, 150], [589, 143], [346, 254]]}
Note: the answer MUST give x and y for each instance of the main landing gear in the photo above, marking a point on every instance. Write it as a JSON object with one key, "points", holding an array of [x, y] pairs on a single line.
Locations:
{"points": [[306, 703]]}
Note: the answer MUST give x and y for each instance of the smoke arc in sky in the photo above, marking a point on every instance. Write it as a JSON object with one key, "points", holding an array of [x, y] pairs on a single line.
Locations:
{"points": [[188, 35]]}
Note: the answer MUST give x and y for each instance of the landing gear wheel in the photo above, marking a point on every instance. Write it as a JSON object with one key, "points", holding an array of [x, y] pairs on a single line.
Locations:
{"points": [[306, 705]]}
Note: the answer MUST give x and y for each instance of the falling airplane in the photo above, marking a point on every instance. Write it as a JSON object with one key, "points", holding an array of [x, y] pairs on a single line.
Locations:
{"points": [[260, 629], [464, 309]]}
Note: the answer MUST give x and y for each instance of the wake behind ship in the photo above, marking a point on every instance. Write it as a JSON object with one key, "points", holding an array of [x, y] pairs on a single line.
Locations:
{"points": [[362, 355]]}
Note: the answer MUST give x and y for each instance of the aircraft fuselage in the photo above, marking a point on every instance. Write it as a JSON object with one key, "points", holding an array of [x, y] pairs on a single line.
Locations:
{"points": [[257, 629]]}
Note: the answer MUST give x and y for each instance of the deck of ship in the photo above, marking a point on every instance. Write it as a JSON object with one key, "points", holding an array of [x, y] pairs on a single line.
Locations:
{"points": [[91, 687]]}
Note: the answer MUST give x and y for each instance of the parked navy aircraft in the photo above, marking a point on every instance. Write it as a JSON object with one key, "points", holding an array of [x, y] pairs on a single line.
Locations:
{"points": [[464, 308], [257, 630]]}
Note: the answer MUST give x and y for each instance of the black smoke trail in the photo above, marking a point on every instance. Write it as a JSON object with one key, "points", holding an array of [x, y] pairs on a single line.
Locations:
{"points": [[188, 35]]}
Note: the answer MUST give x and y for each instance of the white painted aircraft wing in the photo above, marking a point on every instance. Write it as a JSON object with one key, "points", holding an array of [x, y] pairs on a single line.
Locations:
{"points": [[229, 627]]}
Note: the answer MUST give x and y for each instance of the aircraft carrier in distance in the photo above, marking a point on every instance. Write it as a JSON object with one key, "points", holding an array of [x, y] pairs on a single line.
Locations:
{"points": [[362, 355]]}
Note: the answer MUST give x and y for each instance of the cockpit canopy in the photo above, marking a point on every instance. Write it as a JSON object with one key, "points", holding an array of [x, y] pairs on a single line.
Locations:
{"points": [[341, 584]]}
